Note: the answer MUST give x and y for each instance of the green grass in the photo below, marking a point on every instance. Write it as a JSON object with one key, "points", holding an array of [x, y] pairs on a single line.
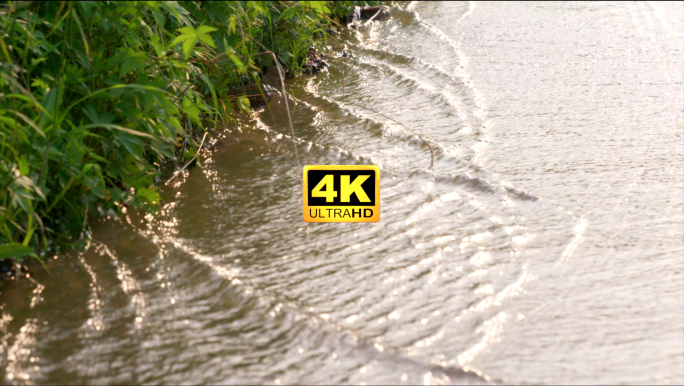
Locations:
{"points": [[96, 97]]}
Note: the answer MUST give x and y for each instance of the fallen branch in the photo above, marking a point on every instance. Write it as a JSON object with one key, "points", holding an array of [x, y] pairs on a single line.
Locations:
{"points": [[281, 75], [189, 162], [382, 8]]}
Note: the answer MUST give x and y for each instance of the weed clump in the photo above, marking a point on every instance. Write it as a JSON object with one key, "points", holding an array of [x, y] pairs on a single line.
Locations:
{"points": [[97, 97]]}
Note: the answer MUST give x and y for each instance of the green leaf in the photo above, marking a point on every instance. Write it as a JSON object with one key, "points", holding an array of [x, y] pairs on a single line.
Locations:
{"points": [[257, 7], [8, 121], [205, 29], [94, 181], [156, 44], [189, 39], [189, 45], [232, 23], [318, 6], [115, 127], [14, 250], [191, 110], [289, 13], [188, 30], [22, 198], [149, 196], [133, 144], [23, 166], [243, 102], [29, 122], [206, 39], [177, 10], [236, 60], [130, 60], [153, 4], [187, 33], [190, 36], [52, 99]]}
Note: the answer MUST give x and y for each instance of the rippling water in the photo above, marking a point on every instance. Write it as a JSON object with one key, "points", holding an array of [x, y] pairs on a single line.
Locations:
{"points": [[545, 244]]}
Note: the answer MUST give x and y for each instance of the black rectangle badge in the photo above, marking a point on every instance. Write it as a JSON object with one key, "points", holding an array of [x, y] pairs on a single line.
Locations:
{"points": [[341, 193]]}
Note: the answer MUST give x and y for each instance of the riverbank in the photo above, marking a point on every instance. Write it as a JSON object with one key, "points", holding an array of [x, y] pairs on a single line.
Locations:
{"points": [[99, 98]]}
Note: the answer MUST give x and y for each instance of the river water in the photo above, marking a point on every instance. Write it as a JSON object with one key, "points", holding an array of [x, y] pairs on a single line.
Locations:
{"points": [[544, 245]]}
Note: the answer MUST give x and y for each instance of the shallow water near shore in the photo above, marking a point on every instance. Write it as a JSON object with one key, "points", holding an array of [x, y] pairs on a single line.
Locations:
{"points": [[545, 244]]}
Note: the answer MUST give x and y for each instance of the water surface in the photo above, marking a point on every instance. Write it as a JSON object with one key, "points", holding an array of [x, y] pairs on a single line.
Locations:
{"points": [[544, 245]]}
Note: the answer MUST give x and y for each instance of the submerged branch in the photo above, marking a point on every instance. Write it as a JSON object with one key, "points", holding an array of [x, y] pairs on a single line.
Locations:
{"points": [[189, 162]]}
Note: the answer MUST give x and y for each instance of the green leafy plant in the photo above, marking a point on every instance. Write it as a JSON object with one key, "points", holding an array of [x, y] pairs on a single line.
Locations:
{"points": [[95, 98]]}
